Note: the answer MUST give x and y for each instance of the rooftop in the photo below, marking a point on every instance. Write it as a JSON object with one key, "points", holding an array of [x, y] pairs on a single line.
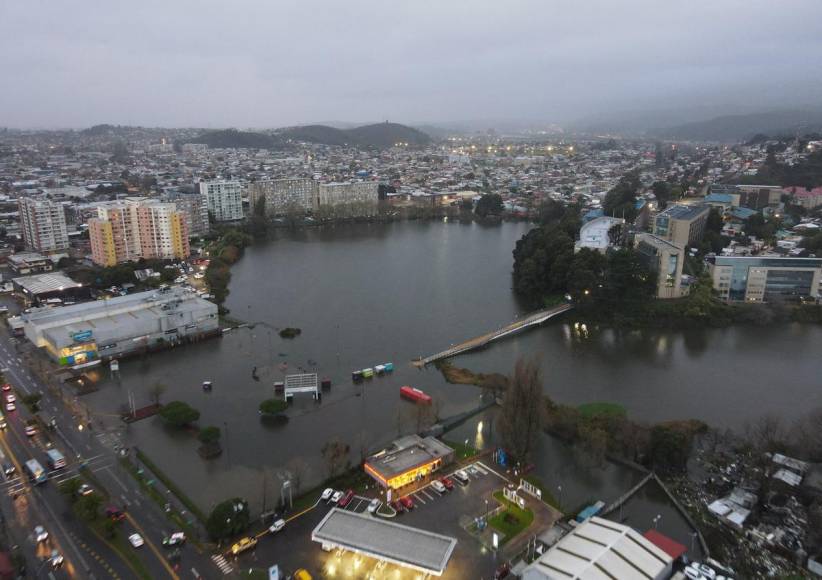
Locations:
{"points": [[684, 212], [42, 283], [406, 453], [385, 540], [601, 548]]}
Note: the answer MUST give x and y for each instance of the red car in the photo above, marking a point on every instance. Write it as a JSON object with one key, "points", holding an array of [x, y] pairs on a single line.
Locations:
{"points": [[407, 503], [115, 513], [446, 481], [397, 506], [502, 571], [6, 387], [346, 499]]}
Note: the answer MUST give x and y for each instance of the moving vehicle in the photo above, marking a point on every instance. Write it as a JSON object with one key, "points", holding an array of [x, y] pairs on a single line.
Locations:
{"points": [[461, 476], [35, 471], [447, 482], [11, 407], [56, 559], [55, 459], [9, 469], [301, 574], [136, 540], [11, 398], [243, 545], [3, 423], [336, 497], [175, 539], [40, 534], [407, 503], [346, 499], [327, 494], [6, 387], [85, 489], [438, 486], [31, 430], [374, 505], [276, 526]]}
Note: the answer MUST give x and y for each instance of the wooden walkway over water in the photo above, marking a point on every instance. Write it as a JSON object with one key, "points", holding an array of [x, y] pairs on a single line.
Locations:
{"points": [[532, 319]]}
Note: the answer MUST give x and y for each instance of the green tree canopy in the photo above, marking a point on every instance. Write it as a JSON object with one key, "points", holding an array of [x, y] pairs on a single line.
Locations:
{"points": [[209, 435], [273, 407], [488, 205], [621, 200], [228, 519], [179, 414]]}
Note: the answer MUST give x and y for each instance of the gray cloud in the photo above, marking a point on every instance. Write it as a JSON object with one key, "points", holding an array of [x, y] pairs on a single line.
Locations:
{"points": [[271, 63]]}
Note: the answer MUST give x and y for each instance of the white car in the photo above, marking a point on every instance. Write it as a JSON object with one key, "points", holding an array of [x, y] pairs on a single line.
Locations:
{"points": [[692, 573], [136, 540], [327, 494], [336, 497], [374, 505], [11, 398], [276, 526], [10, 406], [40, 534], [56, 559], [706, 571], [85, 489], [461, 476], [438, 487]]}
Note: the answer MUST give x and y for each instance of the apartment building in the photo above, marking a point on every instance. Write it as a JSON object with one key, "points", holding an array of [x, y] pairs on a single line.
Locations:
{"points": [[43, 224], [765, 278], [331, 194], [665, 259], [138, 228], [224, 199], [194, 208], [282, 195], [683, 225]]}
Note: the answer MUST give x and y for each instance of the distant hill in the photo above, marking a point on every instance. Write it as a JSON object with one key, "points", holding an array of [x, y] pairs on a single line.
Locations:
{"points": [[232, 138], [379, 135], [734, 128]]}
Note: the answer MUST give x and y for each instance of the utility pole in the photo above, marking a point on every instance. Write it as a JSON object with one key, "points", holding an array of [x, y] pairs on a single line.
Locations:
{"points": [[227, 444]]}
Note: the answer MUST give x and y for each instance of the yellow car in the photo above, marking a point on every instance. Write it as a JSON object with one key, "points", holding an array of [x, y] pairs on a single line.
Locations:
{"points": [[243, 545], [301, 574]]}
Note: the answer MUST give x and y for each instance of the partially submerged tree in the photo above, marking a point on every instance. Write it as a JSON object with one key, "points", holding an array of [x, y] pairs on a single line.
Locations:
{"points": [[521, 416], [179, 414]]}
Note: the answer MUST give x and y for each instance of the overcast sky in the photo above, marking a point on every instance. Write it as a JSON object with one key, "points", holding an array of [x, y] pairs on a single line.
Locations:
{"points": [[270, 63]]}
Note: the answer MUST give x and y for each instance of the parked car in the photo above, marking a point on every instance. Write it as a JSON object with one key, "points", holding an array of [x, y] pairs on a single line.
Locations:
{"points": [[276, 526], [346, 499], [243, 545], [502, 571], [327, 494], [40, 534], [706, 571], [136, 540], [407, 503], [448, 483], [461, 476], [397, 506], [692, 573], [175, 539], [438, 486], [336, 497], [374, 505]]}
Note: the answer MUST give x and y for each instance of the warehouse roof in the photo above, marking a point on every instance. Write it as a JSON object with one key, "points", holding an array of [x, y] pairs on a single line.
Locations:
{"points": [[684, 212], [43, 283], [601, 549], [377, 538], [406, 453]]}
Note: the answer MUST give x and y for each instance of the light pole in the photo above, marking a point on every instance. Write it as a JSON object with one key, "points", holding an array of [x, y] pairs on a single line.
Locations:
{"points": [[693, 542], [559, 487], [656, 520]]}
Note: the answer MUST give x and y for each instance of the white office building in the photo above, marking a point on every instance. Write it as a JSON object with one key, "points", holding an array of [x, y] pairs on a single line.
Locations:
{"points": [[43, 223], [283, 195], [224, 199]]}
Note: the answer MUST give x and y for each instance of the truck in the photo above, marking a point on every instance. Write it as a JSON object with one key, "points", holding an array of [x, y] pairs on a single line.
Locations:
{"points": [[56, 459], [36, 472]]}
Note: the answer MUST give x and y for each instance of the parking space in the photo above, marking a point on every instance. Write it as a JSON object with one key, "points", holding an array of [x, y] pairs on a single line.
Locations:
{"points": [[430, 494]]}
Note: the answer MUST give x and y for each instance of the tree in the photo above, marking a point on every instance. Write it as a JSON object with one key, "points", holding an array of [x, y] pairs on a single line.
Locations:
{"points": [[669, 448], [522, 413], [489, 204], [87, 507], [179, 414], [228, 519], [71, 488], [156, 392], [272, 407], [298, 470], [335, 454], [210, 439], [620, 201]]}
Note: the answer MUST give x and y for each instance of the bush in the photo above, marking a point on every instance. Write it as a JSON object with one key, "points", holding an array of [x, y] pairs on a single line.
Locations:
{"points": [[273, 407], [179, 414]]}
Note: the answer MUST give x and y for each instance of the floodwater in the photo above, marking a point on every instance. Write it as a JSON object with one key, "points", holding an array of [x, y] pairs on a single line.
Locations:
{"points": [[373, 293]]}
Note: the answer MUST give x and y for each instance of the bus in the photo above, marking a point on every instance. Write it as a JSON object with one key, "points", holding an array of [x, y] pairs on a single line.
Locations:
{"points": [[56, 459], [36, 472]]}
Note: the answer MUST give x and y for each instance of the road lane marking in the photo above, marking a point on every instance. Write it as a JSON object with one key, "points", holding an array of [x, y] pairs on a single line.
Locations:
{"points": [[151, 546]]}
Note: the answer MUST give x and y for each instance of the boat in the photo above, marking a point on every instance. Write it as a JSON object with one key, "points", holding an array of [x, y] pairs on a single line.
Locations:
{"points": [[389, 367], [356, 376], [379, 369], [414, 395], [368, 373], [590, 511], [206, 385]]}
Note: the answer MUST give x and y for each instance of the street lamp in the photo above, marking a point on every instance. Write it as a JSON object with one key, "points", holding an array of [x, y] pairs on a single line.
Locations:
{"points": [[559, 487], [656, 520]]}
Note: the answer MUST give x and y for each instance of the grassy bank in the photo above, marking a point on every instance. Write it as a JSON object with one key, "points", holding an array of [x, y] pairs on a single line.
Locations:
{"points": [[461, 450], [545, 493], [511, 520], [462, 376]]}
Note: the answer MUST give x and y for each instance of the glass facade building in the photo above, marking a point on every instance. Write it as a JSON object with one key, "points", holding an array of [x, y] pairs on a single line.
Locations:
{"points": [[764, 279]]}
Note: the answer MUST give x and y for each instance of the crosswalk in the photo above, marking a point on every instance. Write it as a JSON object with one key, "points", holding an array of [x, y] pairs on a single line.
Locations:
{"points": [[220, 561], [16, 485]]}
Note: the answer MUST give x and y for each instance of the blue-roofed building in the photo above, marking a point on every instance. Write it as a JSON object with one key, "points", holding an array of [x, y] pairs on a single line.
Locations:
{"points": [[592, 214], [742, 213]]}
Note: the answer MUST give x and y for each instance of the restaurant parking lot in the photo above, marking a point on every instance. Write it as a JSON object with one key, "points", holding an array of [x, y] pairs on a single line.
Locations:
{"points": [[445, 513]]}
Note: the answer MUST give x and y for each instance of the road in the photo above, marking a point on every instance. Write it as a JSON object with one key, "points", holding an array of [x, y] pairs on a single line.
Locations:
{"points": [[86, 555]]}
